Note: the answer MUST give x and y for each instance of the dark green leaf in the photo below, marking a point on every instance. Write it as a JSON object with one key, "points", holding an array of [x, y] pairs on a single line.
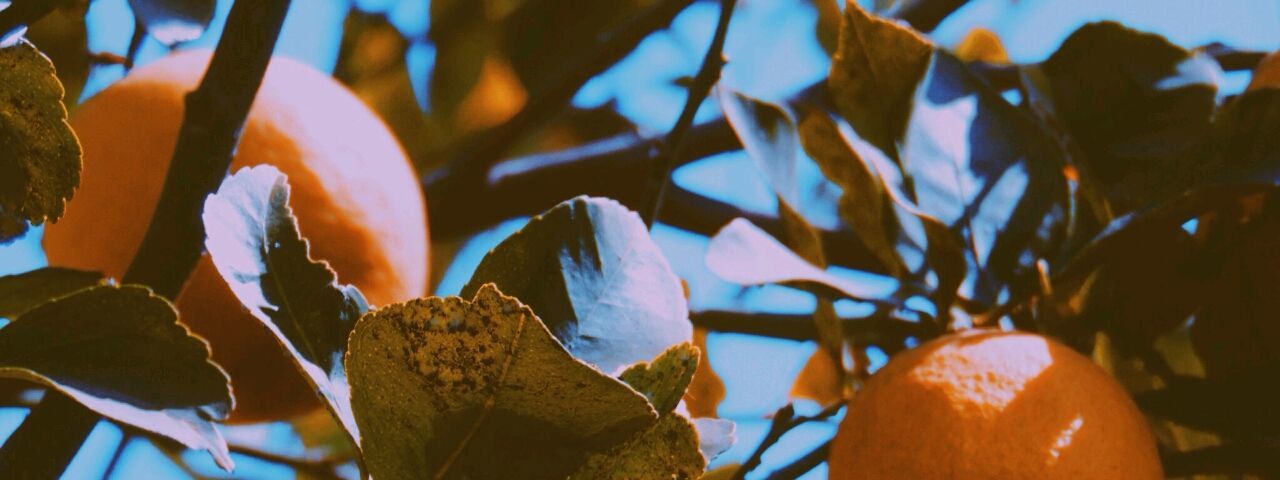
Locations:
{"points": [[986, 171], [591, 272], [1241, 404], [875, 69], [664, 381], [39, 154], [254, 242], [1246, 130], [544, 37], [24, 291], [121, 352], [742, 253], [450, 388], [174, 21], [1138, 106]]}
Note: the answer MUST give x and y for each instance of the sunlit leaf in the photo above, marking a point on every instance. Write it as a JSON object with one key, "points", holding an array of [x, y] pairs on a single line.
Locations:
{"points": [[1266, 74], [590, 271], [451, 388], [24, 291], [715, 436], [121, 352], [819, 380], [174, 21], [874, 71], [986, 171], [39, 154], [254, 242], [1138, 106], [768, 135], [706, 390], [742, 253]]}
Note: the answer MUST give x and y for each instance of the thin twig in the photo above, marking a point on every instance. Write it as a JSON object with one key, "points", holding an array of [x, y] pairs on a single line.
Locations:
{"points": [[451, 187], [673, 147], [801, 326], [125, 440], [135, 44], [784, 420], [802, 465], [215, 112]]}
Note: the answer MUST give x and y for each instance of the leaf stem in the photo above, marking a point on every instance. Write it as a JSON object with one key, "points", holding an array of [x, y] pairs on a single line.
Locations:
{"points": [[673, 147], [215, 113]]}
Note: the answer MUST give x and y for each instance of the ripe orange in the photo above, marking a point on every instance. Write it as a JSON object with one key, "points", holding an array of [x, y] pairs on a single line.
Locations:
{"points": [[354, 192], [993, 405]]}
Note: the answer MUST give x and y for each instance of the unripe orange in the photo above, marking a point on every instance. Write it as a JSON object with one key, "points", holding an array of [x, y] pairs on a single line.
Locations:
{"points": [[354, 192], [993, 405]]}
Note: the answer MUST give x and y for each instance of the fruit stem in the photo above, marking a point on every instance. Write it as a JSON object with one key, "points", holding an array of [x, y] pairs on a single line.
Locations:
{"points": [[53, 432]]}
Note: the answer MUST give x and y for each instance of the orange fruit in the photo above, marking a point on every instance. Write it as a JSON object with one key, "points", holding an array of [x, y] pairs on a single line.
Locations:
{"points": [[993, 405], [354, 192]]}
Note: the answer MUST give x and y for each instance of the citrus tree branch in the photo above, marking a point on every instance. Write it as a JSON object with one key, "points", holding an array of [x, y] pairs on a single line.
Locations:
{"points": [[784, 420], [452, 186], [672, 148], [215, 113], [802, 465], [800, 327]]}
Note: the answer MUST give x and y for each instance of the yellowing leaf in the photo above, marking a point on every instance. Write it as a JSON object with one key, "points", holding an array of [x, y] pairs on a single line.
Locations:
{"points": [[863, 203], [664, 381], [451, 388], [706, 390], [668, 450], [819, 380], [981, 45], [39, 154], [874, 71], [1266, 74]]}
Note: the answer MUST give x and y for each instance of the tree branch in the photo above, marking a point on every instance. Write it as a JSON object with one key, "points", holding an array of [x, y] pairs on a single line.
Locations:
{"points": [[451, 188], [801, 327], [802, 465], [215, 112], [784, 420], [672, 148]]}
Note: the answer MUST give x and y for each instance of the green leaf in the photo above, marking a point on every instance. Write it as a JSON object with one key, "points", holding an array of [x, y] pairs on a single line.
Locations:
{"points": [[863, 203], [543, 38], [742, 253], [875, 69], [768, 135], [121, 352], [988, 172], [1245, 128], [1138, 106], [24, 291], [664, 381], [1241, 404], [39, 154], [254, 242], [174, 21], [590, 271], [464, 38], [451, 388], [668, 450]]}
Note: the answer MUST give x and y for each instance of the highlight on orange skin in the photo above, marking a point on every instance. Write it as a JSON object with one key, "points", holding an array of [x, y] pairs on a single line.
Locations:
{"points": [[354, 192], [993, 405]]}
